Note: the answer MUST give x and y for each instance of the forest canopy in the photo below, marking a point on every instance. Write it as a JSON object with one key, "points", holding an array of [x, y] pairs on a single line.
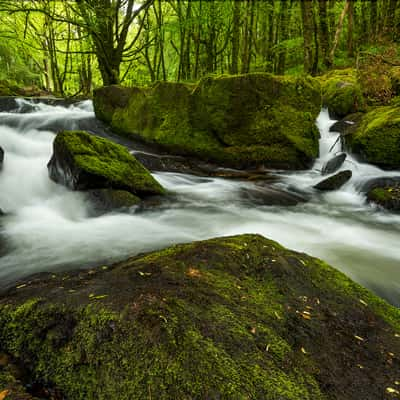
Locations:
{"points": [[70, 47]]}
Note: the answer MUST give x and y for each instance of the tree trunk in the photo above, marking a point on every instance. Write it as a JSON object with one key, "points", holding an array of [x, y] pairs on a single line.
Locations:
{"points": [[338, 31], [308, 31], [284, 22], [235, 37], [324, 32], [350, 28]]}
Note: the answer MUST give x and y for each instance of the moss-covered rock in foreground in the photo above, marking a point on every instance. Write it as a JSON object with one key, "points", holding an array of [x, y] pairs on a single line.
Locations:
{"points": [[239, 121], [229, 318], [342, 93], [377, 137], [83, 161]]}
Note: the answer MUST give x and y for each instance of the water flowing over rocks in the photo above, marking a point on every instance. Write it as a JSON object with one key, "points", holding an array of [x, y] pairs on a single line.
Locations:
{"points": [[227, 317], [82, 161], [242, 121]]}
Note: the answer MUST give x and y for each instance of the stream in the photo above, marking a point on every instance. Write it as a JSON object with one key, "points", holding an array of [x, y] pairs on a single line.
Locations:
{"points": [[49, 228]]}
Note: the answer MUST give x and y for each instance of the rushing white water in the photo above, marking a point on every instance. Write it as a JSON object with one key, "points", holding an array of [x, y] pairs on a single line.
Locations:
{"points": [[47, 227]]}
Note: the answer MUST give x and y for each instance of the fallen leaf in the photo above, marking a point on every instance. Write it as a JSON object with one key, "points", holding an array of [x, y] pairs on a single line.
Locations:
{"points": [[21, 286], [277, 315], [98, 297], [363, 302], [4, 394], [253, 330], [144, 273], [303, 350], [388, 390], [360, 366], [359, 338], [163, 318]]}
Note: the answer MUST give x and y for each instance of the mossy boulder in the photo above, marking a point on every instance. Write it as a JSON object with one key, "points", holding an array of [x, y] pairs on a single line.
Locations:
{"points": [[341, 93], [230, 318], [377, 137], [83, 161], [238, 121]]}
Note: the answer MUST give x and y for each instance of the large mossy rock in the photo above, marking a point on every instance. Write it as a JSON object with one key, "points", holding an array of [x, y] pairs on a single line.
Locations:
{"points": [[238, 121], [229, 318], [83, 161], [341, 93], [377, 137]]}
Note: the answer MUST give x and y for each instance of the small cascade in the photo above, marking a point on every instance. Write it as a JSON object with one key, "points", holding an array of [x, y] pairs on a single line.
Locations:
{"points": [[49, 228]]}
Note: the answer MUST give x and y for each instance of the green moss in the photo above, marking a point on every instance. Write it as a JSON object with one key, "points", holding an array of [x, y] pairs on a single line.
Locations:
{"points": [[223, 318], [206, 119], [377, 139], [107, 161], [342, 93]]}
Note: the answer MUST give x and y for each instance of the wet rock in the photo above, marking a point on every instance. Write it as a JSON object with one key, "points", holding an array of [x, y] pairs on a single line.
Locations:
{"points": [[169, 163], [347, 125], [82, 161], [333, 164], [205, 312], [107, 200], [387, 197], [272, 196], [384, 181], [334, 182], [1, 157], [384, 192]]}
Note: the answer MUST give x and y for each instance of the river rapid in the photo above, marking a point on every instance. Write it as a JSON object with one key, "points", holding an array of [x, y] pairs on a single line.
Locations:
{"points": [[48, 227]]}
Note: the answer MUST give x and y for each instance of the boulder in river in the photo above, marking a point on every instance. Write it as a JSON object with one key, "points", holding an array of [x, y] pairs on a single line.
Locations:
{"points": [[377, 138], [83, 161], [334, 182], [384, 192], [333, 164], [387, 197], [267, 195], [225, 318], [241, 121]]}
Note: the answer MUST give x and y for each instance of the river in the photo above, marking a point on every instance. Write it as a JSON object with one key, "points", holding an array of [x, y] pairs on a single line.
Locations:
{"points": [[48, 227]]}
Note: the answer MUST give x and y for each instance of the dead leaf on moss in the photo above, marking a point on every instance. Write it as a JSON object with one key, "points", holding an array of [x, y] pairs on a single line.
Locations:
{"points": [[4, 394]]}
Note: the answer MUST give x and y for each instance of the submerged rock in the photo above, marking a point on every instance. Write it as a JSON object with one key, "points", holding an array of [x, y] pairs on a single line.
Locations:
{"points": [[83, 161], [333, 164], [342, 93], [272, 196], [106, 200], [224, 318], [334, 182], [377, 138], [242, 121], [1, 157]]}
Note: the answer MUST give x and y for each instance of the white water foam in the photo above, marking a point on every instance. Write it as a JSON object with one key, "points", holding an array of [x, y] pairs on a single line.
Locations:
{"points": [[48, 228]]}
